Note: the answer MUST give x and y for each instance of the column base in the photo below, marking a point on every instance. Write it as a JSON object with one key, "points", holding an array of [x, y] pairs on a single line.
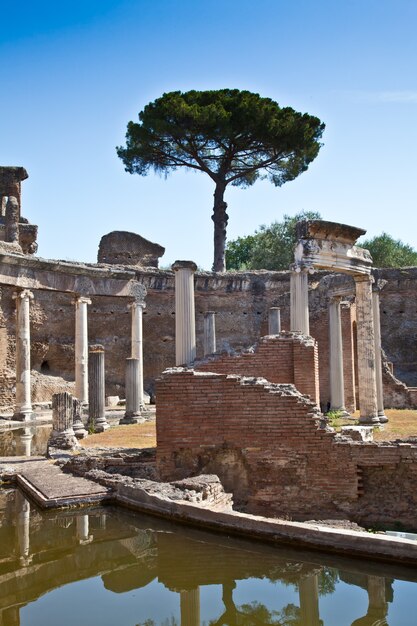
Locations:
{"points": [[383, 418], [132, 419], [99, 425], [372, 420]]}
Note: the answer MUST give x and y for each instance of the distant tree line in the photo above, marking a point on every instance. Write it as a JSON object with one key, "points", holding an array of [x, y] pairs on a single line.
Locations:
{"points": [[272, 247]]}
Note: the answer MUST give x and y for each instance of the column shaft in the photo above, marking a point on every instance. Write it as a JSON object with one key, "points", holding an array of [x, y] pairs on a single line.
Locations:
{"points": [[137, 346], [23, 409], [378, 357], [366, 351], [209, 332], [299, 302], [134, 394], [190, 607], [185, 344], [81, 349], [337, 384], [96, 390], [308, 589]]}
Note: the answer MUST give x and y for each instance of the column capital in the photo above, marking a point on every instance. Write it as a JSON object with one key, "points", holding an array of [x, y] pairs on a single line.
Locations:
{"points": [[24, 293], [378, 285], [184, 265], [78, 299], [137, 303]]}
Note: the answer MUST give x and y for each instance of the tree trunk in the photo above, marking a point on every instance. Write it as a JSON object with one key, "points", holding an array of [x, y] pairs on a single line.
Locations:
{"points": [[220, 219]]}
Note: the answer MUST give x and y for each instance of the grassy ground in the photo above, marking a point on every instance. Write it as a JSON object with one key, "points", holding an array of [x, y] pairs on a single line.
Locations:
{"points": [[402, 424]]}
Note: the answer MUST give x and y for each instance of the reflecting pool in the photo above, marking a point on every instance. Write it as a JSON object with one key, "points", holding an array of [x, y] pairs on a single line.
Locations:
{"points": [[110, 567], [25, 441]]}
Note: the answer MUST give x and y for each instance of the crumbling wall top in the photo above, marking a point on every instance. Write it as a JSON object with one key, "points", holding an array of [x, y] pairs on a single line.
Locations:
{"points": [[11, 174], [125, 248]]}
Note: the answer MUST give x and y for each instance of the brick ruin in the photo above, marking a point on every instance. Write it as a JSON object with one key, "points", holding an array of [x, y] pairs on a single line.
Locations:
{"points": [[15, 230], [270, 394]]}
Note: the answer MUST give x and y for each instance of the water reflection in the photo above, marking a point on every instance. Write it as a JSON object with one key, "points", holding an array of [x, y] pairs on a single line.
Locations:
{"points": [[25, 441], [188, 577]]}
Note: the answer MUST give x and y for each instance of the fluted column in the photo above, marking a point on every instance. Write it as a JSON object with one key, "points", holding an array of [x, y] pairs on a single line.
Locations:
{"points": [[62, 435], [23, 409], [81, 349], [134, 393], [209, 332], [185, 344], [378, 356], [337, 383], [299, 301], [190, 607], [274, 320], [96, 390], [366, 351], [137, 349]]}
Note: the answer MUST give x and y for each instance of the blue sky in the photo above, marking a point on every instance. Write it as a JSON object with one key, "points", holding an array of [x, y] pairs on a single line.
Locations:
{"points": [[73, 73]]}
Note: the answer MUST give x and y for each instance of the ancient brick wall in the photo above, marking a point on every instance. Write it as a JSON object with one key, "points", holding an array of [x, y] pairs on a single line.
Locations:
{"points": [[265, 443], [288, 358]]}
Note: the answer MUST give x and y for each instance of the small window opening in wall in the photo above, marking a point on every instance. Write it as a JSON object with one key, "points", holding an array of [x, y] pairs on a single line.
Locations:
{"points": [[45, 367]]}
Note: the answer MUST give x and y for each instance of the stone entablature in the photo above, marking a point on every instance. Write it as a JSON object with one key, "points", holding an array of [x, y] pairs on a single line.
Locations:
{"points": [[329, 245]]}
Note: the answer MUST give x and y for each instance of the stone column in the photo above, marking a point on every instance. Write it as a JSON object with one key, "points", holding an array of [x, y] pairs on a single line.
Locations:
{"points": [[23, 409], [337, 383], [137, 308], [81, 349], [62, 435], [134, 393], [185, 345], [96, 390], [209, 333], [378, 355], [366, 351], [274, 320], [190, 607], [77, 422], [299, 301]]}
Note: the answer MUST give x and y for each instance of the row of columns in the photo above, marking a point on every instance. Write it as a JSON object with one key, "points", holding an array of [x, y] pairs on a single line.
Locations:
{"points": [[369, 366], [84, 375]]}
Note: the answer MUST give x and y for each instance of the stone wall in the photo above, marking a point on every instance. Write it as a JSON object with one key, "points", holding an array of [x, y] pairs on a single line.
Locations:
{"points": [[265, 443], [241, 301]]}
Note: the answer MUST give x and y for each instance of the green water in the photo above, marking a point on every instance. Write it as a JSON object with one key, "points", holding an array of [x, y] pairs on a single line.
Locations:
{"points": [[111, 567]]}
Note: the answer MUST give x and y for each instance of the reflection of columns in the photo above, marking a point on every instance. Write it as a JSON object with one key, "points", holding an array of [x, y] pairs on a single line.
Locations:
{"points": [[337, 384], [81, 349], [23, 409], [377, 603], [185, 346], [82, 529], [134, 393], [190, 607], [366, 351], [299, 301], [23, 527], [378, 356], [96, 390], [137, 346], [10, 616], [274, 320], [308, 588], [24, 442], [209, 332]]}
